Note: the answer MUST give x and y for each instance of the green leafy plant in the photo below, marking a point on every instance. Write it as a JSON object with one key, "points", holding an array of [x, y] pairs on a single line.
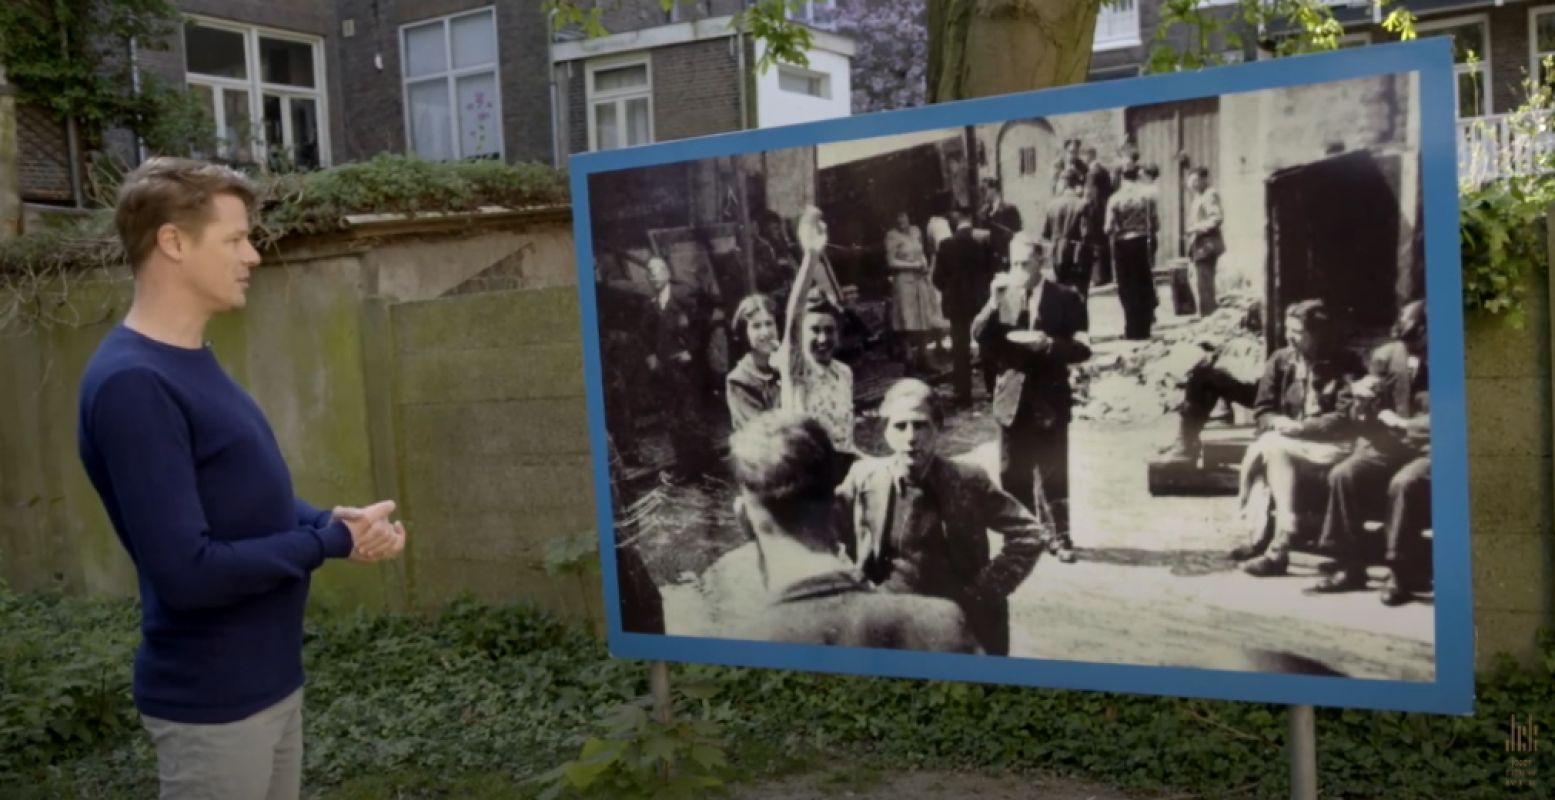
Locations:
{"points": [[1191, 34], [576, 555], [1503, 228], [67, 56], [637, 755], [409, 705]]}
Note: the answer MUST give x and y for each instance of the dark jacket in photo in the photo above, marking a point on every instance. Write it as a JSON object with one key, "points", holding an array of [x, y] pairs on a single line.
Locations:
{"points": [[1283, 392]]}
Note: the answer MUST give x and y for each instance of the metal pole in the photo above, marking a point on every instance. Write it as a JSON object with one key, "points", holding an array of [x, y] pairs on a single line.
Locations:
{"points": [[1302, 745], [659, 682]]}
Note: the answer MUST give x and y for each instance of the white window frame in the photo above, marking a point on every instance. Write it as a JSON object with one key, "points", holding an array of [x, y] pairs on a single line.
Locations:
{"points": [[1484, 68], [806, 13], [257, 88], [1534, 56], [590, 97], [1117, 41], [451, 77]]}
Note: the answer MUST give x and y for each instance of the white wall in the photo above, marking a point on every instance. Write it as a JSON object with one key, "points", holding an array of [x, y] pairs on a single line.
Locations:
{"points": [[775, 106]]}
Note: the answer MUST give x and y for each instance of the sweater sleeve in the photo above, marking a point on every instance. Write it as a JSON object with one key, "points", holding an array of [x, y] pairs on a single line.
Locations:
{"points": [[143, 439], [310, 517]]}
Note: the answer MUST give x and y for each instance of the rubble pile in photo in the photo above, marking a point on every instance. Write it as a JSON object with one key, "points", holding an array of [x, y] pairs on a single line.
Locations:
{"points": [[1134, 382]]}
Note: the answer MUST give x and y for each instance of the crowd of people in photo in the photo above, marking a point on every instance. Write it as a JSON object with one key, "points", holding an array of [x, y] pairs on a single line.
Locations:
{"points": [[833, 522], [892, 550]]}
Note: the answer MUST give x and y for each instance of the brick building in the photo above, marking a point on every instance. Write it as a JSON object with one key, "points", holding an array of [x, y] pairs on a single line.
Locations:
{"points": [[320, 82], [670, 75]]}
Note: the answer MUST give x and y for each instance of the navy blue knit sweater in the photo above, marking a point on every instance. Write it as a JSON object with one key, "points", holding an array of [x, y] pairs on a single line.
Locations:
{"points": [[194, 483]]}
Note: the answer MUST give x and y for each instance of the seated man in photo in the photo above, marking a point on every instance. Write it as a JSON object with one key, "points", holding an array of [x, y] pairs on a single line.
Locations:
{"points": [[1388, 477], [919, 521], [1304, 426], [787, 503]]}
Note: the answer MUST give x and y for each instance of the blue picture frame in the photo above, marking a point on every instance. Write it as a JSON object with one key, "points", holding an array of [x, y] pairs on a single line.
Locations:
{"points": [[1451, 692]]}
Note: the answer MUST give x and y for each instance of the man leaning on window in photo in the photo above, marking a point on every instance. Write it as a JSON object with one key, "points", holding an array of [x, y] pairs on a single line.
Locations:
{"points": [[194, 483]]}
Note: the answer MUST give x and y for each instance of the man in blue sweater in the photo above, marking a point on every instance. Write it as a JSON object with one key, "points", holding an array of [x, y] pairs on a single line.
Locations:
{"points": [[194, 483]]}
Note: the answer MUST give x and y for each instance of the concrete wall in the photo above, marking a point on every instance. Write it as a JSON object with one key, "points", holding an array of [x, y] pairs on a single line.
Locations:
{"points": [[493, 439], [368, 398], [1510, 479]]}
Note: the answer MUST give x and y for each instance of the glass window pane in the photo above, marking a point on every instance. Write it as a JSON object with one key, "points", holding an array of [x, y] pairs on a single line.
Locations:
{"points": [[429, 135], [1544, 30], [637, 123], [207, 99], [305, 132], [1466, 39], [286, 63], [239, 134], [619, 78], [274, 129], [802, 83], [213, 51], [425, 51], [480, 129], [605, 127], [1470, 94], [475, 40]]}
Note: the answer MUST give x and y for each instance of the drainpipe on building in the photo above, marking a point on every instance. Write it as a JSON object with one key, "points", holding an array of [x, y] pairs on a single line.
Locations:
{"points": [[739, 44], [140, 143], [10, 181], [558, 128], [72, 133]]}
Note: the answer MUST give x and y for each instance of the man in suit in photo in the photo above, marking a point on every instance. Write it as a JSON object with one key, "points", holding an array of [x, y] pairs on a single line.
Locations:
{"points": [[963, 268], [1098, 190], [1388, 476], [917, 522], [787, 503], [1033, 328], [674, 335], [1066, 230]]}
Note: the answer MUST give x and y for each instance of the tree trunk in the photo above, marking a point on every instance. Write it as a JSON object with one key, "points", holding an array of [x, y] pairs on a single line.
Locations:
{"points": [[979, 48]]}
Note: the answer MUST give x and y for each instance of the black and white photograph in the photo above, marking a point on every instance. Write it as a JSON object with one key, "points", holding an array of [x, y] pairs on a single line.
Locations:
{"points": [[1145, 385]]}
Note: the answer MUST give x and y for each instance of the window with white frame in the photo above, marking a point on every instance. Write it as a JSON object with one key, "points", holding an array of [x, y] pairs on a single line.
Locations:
{"points": [[804, 81], [1117, 25], [620, 104], [453, 94], [1471, 59], [816, 13], [1541, 40], [264, 89]]}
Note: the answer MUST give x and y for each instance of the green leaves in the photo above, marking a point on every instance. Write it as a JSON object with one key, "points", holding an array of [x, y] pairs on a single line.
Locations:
{"points": [[639, 756], [780, 39], [65, 54], [512, 693]]}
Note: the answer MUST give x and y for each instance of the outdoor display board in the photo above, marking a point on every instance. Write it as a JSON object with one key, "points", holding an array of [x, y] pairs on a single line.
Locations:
{"points": [[1126, 386]]}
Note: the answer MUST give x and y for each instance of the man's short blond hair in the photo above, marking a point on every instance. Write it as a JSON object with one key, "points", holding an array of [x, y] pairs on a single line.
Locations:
{"points": [[179, 191]]}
